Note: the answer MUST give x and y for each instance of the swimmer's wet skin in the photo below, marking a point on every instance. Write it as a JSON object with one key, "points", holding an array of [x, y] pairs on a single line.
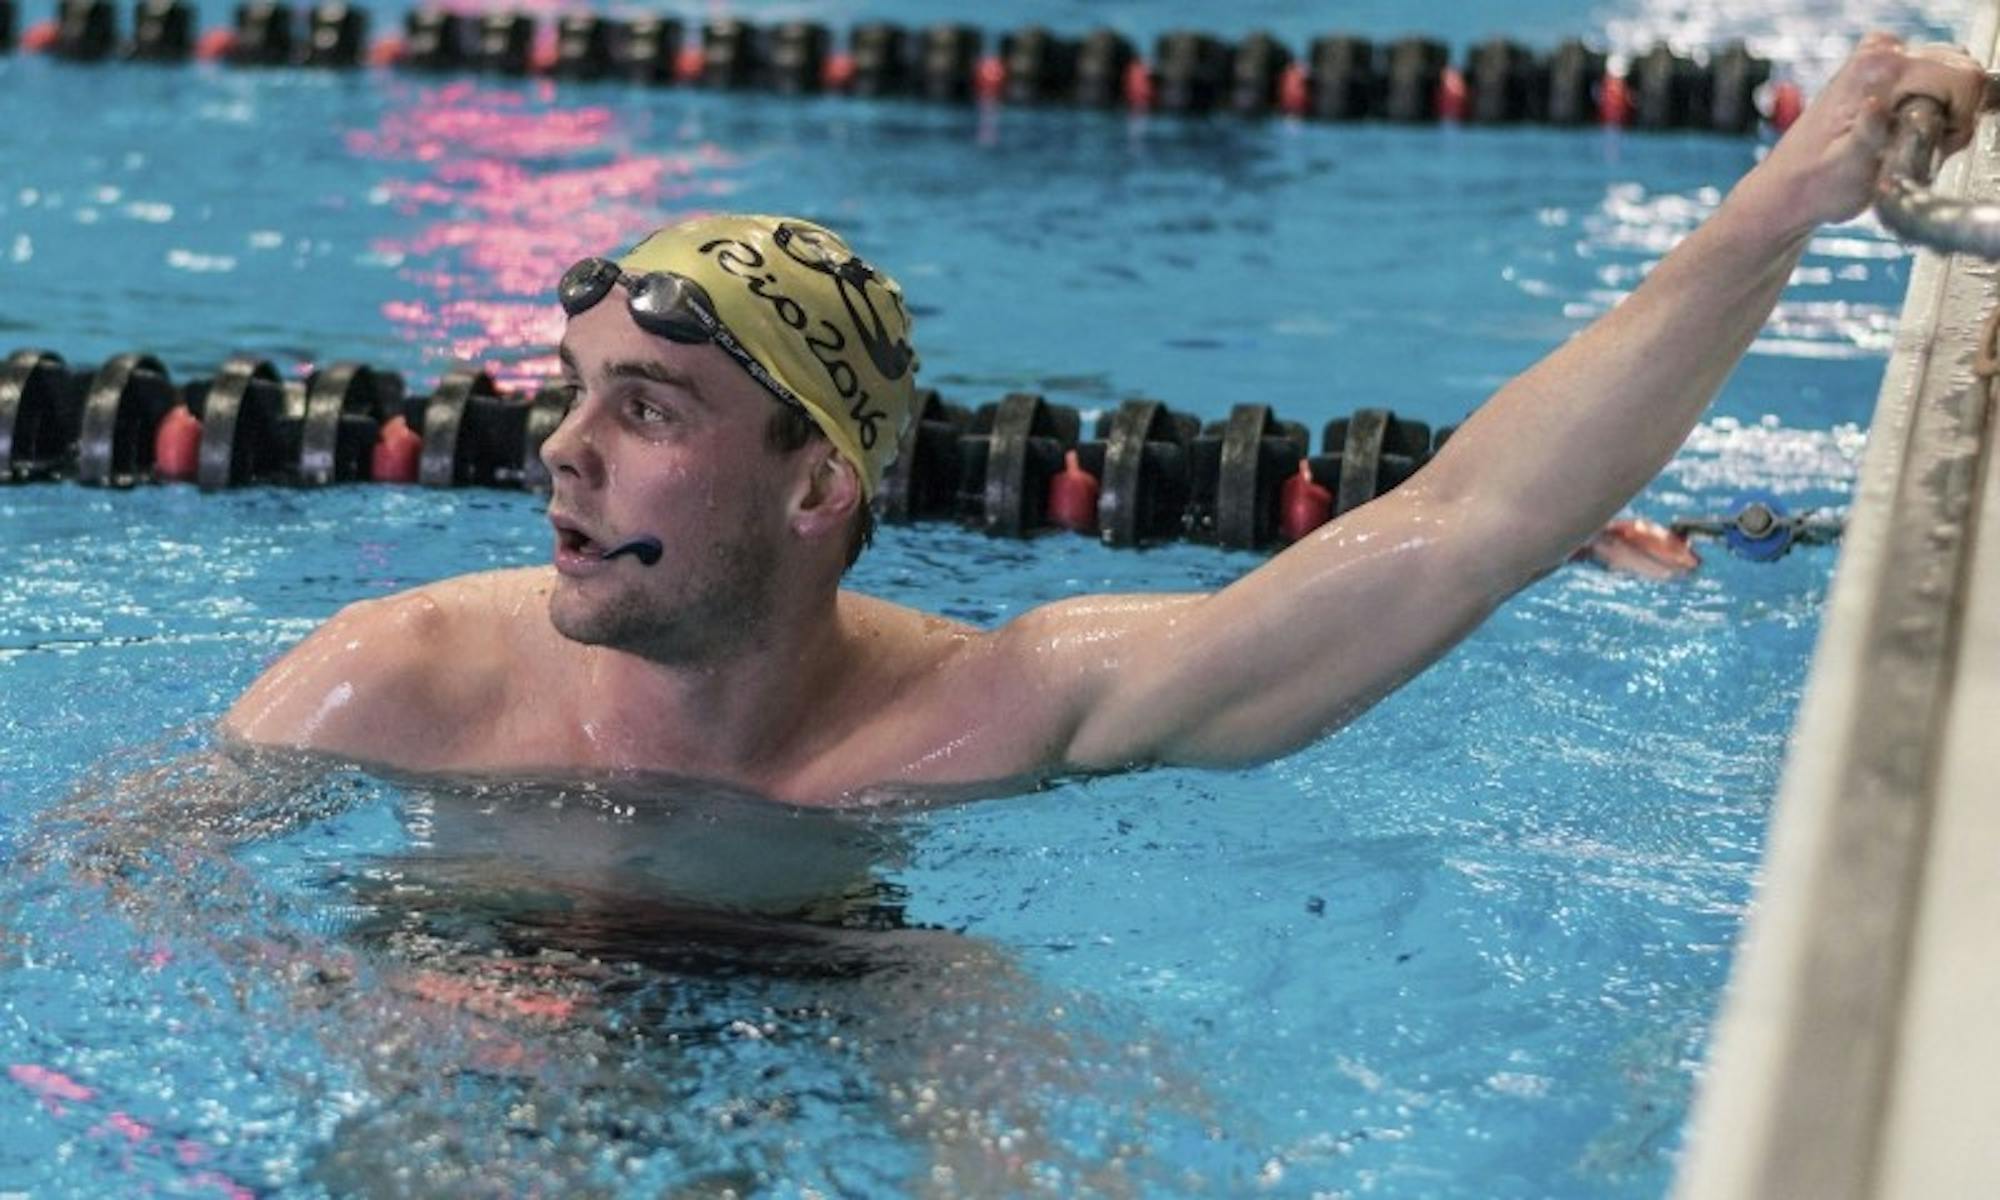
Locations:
{"points": [[739, 385]]}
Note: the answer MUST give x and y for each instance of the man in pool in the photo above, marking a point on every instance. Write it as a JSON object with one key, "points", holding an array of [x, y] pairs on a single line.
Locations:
{"points": [[739, 386]]}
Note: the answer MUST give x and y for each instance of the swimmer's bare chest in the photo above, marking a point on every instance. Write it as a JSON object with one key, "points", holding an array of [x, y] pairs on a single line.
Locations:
{"points": [[927, 715]]}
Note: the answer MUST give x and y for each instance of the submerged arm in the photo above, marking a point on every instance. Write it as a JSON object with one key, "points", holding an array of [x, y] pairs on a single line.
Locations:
{"points": [[114, 826], [1303, 644]]}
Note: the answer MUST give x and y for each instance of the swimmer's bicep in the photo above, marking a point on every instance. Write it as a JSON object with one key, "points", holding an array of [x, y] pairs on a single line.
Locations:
{"points": [[1043, 676], [1288, 653]]}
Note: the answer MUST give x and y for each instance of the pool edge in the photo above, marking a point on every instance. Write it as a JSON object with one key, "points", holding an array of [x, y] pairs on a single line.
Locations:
{"points": [[1843, 1063]]}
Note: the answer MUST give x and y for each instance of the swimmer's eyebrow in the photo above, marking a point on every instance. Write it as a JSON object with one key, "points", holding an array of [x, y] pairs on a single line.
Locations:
{"points": [[651, 370]]}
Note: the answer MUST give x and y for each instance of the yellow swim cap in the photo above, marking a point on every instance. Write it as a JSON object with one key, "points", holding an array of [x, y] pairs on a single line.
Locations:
{"points": [[829, 327]]}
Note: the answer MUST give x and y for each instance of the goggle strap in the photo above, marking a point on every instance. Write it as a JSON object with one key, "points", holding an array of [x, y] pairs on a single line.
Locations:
{"points": [[757, 370]]}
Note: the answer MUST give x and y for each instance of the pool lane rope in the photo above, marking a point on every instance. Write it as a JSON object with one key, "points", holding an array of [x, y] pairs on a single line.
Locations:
{"points": [[1340, 77], [1014, 467]]}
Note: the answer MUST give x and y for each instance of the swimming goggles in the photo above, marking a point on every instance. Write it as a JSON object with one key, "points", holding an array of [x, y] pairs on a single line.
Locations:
{"points": [[669, 305]]}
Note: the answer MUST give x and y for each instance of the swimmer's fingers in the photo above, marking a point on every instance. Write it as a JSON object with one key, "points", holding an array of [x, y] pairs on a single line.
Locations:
{"points": [[1826, 166], [1883, 69], [1873, 126], [1948, 75]]}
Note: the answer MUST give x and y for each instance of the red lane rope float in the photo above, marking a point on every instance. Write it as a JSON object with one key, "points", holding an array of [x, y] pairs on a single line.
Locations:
{"points": [[1787, 102], [177, 446], [215, 45], [1073, 494], [1614, 102], [837, 73], [1451, 95], [1295, 91], [397, 454], [1303, 505], [1139, 87], [989, 80]]}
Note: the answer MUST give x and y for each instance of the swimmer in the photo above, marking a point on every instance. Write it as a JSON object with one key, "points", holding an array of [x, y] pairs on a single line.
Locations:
{"points": [[739, 384], [1636, 546]]}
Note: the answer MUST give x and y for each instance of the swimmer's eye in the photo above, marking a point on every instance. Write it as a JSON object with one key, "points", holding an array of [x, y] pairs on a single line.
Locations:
{"points": [[646, 413]]}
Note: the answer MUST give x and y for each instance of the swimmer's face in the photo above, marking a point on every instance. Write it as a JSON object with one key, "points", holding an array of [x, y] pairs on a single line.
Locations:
{"points": [[667, 441]]}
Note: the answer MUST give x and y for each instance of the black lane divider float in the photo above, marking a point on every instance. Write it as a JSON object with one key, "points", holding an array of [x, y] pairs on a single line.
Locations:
{"points": [[1021, 465], [1012, 468], [1340, 77]]}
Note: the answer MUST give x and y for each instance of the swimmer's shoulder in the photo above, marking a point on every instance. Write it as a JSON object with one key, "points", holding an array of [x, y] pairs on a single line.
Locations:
{"points": [[397, 680], [901, 639], [484, 603], [469, 622], [965, 710]]}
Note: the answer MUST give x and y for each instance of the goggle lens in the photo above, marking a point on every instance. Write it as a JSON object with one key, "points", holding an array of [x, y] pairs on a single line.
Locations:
{"points": [[584, 284], [662, 303], [674, 307]]}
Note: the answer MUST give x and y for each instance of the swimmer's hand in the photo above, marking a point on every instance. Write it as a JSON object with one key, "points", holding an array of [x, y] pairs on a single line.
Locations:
{"points": [[1824, 169]]}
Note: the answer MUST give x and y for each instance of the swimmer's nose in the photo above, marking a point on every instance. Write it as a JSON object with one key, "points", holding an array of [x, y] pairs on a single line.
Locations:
{"points": [[570, 450]]}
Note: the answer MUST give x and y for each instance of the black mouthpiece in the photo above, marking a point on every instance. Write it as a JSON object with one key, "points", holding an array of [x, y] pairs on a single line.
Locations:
{"points": [[646, 550]]}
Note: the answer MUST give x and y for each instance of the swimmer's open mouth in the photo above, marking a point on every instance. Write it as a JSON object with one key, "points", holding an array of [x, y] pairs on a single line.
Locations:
{"points": [[572, 540]]}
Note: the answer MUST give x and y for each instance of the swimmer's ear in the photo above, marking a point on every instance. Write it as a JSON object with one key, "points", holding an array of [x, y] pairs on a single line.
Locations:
{"points": [[826, 499]]}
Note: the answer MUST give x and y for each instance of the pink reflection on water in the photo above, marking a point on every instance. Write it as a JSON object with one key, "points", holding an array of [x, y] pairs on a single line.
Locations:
{"points": [[123, 1124], [225, 1186], [472, 329], [528, 225], [519, 190], [470, 117], [54, 1088], [51, 1087]]}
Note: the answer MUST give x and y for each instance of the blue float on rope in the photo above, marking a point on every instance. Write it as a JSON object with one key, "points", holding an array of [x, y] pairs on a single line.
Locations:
{"points": [[1762, 530]]}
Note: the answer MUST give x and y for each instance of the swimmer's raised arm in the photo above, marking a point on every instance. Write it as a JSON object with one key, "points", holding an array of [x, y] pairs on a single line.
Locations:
{"points": [[1556, 452], [1301, 645]]}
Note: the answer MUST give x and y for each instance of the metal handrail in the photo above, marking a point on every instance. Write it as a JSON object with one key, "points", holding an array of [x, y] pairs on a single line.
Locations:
{"points": [[1903, 199]]}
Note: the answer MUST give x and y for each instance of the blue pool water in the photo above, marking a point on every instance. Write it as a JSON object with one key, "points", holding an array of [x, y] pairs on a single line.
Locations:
{"points": [[1468, 947]]}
